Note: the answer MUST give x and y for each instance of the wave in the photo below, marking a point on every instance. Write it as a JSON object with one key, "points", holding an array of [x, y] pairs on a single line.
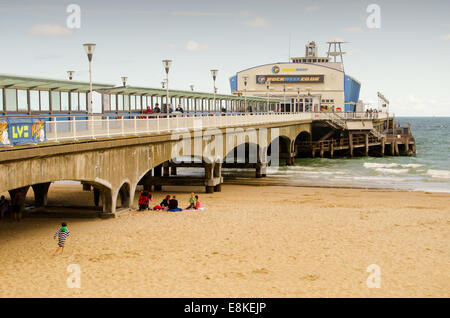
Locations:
{"points": [[439, 174], [394, 171], [373, 165]]}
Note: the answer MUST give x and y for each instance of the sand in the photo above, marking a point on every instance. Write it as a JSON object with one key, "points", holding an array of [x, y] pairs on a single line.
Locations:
{"points": [[250, 242]]}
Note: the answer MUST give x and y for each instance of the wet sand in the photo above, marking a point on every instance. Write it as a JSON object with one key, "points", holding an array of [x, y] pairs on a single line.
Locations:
{"points": [[251, 241]]}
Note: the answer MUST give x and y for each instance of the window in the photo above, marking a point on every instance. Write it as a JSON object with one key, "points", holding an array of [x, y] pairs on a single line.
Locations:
{"points": [[1, 99], [83, 103], [64, 101], [112, 102], [11, 100], [34, 100], [45, 101], [74, 101], [22, 100], [138, 102], [133, 102], [126, 102], [120, 102], [56, 101]]}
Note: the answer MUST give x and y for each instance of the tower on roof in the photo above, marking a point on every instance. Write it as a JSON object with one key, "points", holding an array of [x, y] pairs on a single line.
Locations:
{"points": [[311, 49]]}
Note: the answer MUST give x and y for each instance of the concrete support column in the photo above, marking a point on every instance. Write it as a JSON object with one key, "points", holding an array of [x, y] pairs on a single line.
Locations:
{"points": [[261, 169], [331, 150], [321, 150], [173, 171], [40, 193], [22, 192], [367, 144], [96, 196], [383, 146], [209, 176], [157, 172], [393, 148], [350, 143], [218, 174], [166, 171], [397, 152], [109, 207]]}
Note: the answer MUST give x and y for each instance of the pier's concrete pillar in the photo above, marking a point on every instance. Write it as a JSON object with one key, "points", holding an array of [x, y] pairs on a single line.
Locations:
{"points": [[366, 144], [23, 193], [397, 152], [157, 172], [321, 150], [407, 152], [350, 143], [331, 150], [261, 169], [109, 207], [96, 196], [41, 194], [166, 170], [393, 148], [209, 176], [173, 171], [383, 145], [217, 174], [147, 185]]}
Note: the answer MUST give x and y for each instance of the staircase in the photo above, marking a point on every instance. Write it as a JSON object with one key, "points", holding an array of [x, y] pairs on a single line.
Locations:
{"points": [[337, 120]]}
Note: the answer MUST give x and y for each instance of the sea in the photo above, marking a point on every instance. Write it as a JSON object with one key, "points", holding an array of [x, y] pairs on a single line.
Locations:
{"points": [[428, 170]]}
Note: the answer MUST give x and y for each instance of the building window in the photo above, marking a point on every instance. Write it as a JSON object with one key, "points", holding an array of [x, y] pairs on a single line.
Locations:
{"points": [[64, 101], [22, 100], [45, 100], [56, 101], [133, 102], [11, 100], [83, 102], [138, 102], [112, 102], [120, 102], [1, 99], [73, 101], [34, 100], [126, 102]]}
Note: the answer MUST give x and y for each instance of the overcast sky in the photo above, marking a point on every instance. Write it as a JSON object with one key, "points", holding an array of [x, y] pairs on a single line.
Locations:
{"points": [[407, 58]]}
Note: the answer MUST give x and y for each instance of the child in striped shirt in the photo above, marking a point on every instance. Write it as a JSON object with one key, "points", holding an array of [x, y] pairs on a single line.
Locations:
{"points": [[62, 234]]}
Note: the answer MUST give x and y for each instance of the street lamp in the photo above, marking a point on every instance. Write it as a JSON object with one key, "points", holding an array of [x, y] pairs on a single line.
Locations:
{"points": [[163, 83], [124, 80], [167, 64], [284, 97], [90, 48], [245, 91], [268, 88], [192, 87], [70, 74], [298, 100], [214, 76]]}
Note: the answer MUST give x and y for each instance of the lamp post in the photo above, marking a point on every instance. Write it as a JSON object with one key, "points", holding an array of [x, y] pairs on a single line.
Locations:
{"points": [[214, 76], [298, 100], [167, 64], [124, 80], [284, 98], [90, 48], [192, 87], [245, 91], [163, 84], [70, 74], [268, 88]]}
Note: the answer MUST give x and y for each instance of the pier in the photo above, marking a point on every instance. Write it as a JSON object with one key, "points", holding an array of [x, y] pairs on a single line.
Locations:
{"points": [[116, 153]]}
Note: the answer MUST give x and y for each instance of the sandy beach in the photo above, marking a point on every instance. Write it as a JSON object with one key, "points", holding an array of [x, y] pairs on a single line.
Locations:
{"points": [[251, 241]]}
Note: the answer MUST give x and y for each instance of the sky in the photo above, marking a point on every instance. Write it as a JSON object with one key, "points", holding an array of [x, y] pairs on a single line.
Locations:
{"points": [[406, 58]]}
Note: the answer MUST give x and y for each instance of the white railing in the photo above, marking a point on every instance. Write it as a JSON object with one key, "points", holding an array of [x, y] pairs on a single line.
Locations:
{"points": [[75, 129]]}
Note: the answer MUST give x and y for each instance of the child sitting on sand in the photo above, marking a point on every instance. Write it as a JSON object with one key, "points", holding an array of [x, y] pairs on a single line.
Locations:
{"points": [[62, 234], [192, 201], [198, 203]]}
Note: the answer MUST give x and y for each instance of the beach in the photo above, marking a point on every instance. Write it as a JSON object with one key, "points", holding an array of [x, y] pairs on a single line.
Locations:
{"points": [[251, 241]]}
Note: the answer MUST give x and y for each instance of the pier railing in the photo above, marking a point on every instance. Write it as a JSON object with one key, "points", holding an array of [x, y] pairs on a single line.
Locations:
{"points": [[116, 127]]}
